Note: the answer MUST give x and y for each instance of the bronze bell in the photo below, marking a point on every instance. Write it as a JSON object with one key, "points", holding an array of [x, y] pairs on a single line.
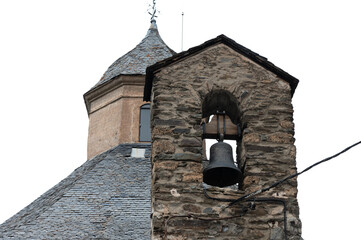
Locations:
{"points": [[221, 170]]}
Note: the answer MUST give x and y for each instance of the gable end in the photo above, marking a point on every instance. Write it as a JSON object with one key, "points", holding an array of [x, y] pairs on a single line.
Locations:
{"points": [[262, 61]]}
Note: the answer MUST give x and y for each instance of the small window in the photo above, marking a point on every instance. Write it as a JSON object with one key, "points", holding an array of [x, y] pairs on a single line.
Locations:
{"points": [[144, 123]]}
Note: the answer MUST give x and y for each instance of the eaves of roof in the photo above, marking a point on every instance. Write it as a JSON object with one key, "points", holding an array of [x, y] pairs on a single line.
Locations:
{"points": [[108, 86], [262, 61]]}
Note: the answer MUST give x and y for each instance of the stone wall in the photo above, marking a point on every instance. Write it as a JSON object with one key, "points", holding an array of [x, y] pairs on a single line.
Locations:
{"points": [[267, 152]]}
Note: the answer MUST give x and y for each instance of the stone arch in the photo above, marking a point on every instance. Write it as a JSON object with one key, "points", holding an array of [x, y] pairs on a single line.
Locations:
{"points": [[221, 100]]}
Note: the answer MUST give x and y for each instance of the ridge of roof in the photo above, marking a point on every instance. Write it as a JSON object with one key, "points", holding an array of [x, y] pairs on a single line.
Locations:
{"points": [[262, 61], [149, 51]]}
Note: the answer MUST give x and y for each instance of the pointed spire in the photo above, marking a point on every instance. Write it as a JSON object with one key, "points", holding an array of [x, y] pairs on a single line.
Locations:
{"points": [[149, 51]]}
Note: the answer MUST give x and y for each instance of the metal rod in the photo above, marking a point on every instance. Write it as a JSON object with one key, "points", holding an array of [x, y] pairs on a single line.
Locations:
{"points": [[218, 132], [182, 33], [224, 124]]}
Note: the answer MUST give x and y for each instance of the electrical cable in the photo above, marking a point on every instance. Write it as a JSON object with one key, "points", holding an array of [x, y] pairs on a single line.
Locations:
{"points": [[252, 194], [277, 200], [290, 176]]}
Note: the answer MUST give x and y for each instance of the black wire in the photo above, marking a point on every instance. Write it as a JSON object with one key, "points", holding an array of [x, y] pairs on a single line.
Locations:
{"points": [[291, 176], [244, 198]]}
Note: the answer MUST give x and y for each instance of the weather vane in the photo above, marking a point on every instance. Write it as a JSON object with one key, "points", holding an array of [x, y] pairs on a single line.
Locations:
{"points": [[152, 12]]}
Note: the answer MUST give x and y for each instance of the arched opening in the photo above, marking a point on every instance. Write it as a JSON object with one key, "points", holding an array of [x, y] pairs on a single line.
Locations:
{"points": [[221, 101], [221, 123]]}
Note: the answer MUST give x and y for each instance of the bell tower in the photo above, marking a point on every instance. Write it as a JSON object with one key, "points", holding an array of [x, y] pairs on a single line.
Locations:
{"points": [[251, 103]]}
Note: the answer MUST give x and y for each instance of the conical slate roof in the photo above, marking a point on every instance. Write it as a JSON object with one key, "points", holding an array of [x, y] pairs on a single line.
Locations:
{"points": [[149, 51]]}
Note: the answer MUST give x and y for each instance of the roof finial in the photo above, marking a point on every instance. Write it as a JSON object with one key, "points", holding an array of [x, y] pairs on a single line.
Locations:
{"points": [[152, 12]]}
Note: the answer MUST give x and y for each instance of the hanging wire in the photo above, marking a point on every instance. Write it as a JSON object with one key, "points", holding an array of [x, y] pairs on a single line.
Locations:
{"points": [[247, 198], [289, 177], [182, 33]]}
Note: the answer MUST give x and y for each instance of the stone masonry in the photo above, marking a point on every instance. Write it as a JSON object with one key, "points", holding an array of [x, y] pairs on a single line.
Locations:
{"points": [[266, 151]]}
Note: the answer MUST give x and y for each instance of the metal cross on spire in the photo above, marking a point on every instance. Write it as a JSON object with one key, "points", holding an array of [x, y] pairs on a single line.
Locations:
{"points": [[152, 12]]}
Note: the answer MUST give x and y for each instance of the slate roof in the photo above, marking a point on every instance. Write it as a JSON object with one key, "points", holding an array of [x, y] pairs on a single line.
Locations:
{"points": [[149, 51], [108, 197], [262, 61]]}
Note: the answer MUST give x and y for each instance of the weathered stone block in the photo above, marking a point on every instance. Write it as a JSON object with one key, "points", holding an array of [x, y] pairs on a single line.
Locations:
{"points": [[181, 130], [163, 146], [188, 156], [190, 142], [281, 138], [261, 148], [169, 165], [251, 180], [159, 131], [192, 178], [251, 138], [197, 150], [287, 124], [191, 208], [169, 122]]}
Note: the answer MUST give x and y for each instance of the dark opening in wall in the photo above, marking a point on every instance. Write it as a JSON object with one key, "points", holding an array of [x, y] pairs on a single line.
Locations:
{"points": [[221, 100], [144, 124], [221, 122], [208, 142]]}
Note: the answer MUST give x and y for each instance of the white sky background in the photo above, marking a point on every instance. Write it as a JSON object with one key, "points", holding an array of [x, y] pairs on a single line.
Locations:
{"points": [[52, 52]]}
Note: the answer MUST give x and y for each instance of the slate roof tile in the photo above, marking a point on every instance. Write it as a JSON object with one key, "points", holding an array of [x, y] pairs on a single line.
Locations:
{"points": [[108, 197], [149, 51]]}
